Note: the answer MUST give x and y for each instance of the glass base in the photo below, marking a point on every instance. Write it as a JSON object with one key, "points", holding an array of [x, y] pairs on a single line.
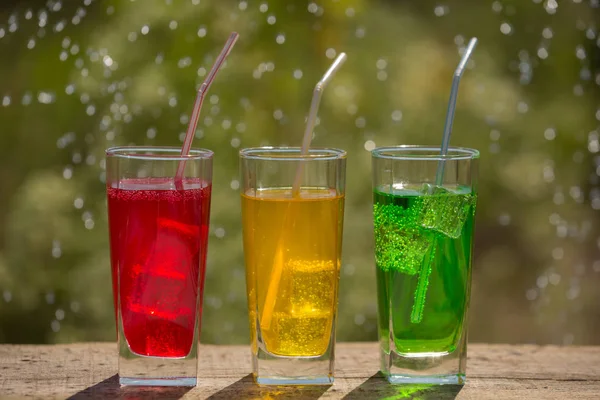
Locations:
{"points": [[138, 370], [158, 381], [309, 380], [436, 368], [458, 379], [155, 371], [270, 369]]}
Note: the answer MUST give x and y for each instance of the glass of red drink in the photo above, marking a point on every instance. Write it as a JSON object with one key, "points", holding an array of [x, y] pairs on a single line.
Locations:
{"points": [[158, 234]]}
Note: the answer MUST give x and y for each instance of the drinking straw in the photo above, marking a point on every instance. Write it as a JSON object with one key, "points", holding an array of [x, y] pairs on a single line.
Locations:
{"points": [[439, 177], [416, 314], [275, 278], [189, 136], [312, 115]]}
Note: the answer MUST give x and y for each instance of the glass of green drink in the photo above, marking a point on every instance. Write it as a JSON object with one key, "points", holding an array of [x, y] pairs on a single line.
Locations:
{"points": [[423, 252]]}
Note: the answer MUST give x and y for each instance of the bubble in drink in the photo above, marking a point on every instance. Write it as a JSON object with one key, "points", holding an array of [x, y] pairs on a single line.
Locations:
{"points": [[408, 224], [400, 245], [158, 245]]}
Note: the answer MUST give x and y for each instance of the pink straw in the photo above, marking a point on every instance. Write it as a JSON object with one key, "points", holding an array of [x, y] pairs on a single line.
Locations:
{"points": [[189, 136]]}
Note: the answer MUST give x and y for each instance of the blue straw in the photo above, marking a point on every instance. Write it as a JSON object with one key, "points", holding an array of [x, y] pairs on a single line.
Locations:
{"points": [[439, 176]]}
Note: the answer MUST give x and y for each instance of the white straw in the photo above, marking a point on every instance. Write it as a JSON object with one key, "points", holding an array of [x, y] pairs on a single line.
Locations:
{"points": [[439, 178], [279, 258], [189, 136], [312, 114]]}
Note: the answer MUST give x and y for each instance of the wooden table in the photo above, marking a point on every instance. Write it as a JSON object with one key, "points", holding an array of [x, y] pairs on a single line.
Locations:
{"points": [[88, 370]]}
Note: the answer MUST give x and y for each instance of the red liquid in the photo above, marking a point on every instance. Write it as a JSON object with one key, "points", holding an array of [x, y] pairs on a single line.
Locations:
{"points": [[158, 251]]}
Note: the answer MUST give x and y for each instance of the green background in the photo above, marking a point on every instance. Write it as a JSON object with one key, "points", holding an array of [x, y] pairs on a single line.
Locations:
{"points": [[77, 77]]}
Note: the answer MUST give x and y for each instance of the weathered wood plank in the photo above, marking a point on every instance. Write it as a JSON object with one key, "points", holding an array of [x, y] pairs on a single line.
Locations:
{"points": [[88, 370]]}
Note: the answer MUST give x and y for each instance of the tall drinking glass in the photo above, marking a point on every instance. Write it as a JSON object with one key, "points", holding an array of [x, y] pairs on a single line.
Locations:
{"points": [[292, 248], [423, 251], [158, 234]]}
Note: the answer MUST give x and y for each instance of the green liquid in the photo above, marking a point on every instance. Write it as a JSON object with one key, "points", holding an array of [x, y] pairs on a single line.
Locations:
{"points": [[423, 245]]}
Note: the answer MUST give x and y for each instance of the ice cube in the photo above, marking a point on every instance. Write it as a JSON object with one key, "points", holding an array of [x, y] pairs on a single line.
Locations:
{"points": [[400, 245], [166, 282], [190, 234], [445, 211], [312, 285]]}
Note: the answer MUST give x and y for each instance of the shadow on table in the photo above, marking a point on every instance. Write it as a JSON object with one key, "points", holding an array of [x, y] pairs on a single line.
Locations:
{"points": [[245, 388], [110, 389], [377, 387]]}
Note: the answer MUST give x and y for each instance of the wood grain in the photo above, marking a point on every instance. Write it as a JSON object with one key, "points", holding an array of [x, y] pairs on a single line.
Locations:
{"points": [[88, 370]]}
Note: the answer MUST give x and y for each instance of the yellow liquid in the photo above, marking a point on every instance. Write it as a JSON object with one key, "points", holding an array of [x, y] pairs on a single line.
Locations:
{"points": [[292, 247]]}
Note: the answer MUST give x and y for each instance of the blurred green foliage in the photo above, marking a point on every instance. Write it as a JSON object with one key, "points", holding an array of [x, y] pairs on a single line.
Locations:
{"points": [[77, 77]]}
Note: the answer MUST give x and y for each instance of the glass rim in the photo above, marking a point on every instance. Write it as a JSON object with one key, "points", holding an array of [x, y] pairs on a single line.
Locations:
{"points": [[424, 153], [166, 153], [293, 153]]}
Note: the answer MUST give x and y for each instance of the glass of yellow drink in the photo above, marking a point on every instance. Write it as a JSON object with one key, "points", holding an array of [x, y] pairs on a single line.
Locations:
{"points": [[292, 249]]}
